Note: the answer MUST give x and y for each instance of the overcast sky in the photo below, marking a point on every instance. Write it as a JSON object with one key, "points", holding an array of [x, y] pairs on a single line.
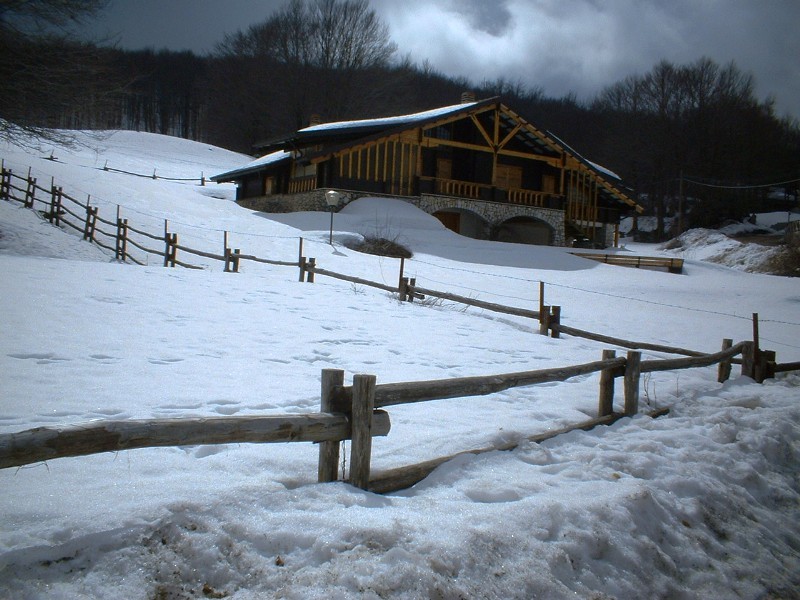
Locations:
{"points": [[560, 46]]}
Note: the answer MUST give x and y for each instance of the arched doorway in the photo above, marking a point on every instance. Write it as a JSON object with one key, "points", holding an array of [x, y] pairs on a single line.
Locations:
{"points": [[463, 222], [525, 230]]}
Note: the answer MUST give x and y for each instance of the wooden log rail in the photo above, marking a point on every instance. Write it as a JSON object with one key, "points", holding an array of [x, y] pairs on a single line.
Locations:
{"points": [[409, 392], [47, 443], [360, 400], [673, 265]]}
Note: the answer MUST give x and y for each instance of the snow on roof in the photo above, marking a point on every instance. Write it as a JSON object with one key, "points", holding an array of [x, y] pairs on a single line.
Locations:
{"points": [[267, 159], [389, 121], [603, 170]]}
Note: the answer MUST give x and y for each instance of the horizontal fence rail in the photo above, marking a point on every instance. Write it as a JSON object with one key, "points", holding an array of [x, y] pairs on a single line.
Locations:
{"points": [[407, 392], [47, 443], [673, 265]]}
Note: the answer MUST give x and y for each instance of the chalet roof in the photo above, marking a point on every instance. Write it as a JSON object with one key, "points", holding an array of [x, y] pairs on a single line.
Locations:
{"points": [[269, 159]]}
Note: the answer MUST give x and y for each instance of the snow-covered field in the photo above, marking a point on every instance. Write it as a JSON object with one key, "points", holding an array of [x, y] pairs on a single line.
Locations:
{"points": [[703, 503]]}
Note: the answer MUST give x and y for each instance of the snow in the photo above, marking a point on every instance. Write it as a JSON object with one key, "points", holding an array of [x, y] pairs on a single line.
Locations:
{"points": [[267, 159], [701, 503], [390, 121]]}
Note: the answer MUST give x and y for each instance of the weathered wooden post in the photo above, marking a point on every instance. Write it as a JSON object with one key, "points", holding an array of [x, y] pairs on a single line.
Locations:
{"points": [[544, 320], [541, 300], [757, 375], [121, 246], [235, 260], [555, 321], [91, 223], [361, 439], [55, 205], [312, 263], [402, 268], [724, 368], [226, 252], [411, 289], [30, 192], [167, 239], [633, 371], [748, 360], [329, 451], [607, 386], [122, 240], [765, 365], [301, 262], [5, 184], [403, 290]]}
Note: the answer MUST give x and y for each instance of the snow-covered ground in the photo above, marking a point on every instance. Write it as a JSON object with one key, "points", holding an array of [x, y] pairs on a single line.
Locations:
{"points": [[703, 503]]}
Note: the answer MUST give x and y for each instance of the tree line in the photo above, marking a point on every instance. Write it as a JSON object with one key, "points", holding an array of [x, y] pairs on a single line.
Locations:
{"points": [[691, 140]]}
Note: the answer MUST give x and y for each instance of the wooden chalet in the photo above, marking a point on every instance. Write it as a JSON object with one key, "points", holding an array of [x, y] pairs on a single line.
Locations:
{"points": [[478, 166]]}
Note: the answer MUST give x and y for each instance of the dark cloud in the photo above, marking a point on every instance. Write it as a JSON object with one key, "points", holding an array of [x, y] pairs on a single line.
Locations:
{"points": [[493, 18], [561, 46]]}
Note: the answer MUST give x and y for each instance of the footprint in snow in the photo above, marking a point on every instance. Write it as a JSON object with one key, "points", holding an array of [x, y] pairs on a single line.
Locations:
{"points": [[40, 358]]}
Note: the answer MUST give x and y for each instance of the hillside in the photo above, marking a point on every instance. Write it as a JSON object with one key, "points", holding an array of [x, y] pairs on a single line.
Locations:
{"points": [[700, 503]]}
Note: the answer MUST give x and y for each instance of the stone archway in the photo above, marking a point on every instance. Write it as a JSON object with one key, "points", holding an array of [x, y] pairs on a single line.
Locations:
{"points": [[492, 215], [525, 230], [464, 222]]}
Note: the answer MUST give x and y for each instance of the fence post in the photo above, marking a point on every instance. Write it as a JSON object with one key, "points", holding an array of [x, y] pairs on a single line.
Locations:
{"points": [[555, 321], [30, 192], [5, 184], [607, 386], [765, 365], [167, 239], [541, 300], [724, 368], [121, 247], [235, 260], [301, 262], [91, 223], [361, 437], [174, 249], [403, 291], [53, 196], [312, 262], [122, 239], [400, 279], [748, 360], [411, 289], [544, 320], [329, 451], [633, 370]]}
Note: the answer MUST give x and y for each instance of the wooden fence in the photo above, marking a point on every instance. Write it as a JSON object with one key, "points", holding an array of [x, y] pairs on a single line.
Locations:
{"points": [[346, 412], [673, 265], [353, 412], [56, 209]]}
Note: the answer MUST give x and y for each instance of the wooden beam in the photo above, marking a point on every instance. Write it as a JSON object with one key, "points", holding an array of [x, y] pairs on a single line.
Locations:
{"points": [[482, 131], [510, 136]]}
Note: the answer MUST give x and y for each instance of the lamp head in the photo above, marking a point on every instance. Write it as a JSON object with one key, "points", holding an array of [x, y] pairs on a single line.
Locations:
{"points": [[332, 198]]}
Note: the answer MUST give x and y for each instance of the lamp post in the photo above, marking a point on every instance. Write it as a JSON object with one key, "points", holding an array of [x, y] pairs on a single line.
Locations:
{"points": [[332, 200]]}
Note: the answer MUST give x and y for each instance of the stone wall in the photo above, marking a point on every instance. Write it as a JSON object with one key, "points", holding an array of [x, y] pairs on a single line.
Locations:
{"points": [[493, 213], [496, 213], [311, 201]]}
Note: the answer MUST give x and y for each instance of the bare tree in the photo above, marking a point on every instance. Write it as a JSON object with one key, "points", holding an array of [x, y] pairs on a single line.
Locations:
{"points": [[48, 78], [321, 54]]}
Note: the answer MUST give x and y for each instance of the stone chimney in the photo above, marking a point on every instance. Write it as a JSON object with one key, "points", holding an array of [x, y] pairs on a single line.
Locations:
{"points": [[467, 97]]}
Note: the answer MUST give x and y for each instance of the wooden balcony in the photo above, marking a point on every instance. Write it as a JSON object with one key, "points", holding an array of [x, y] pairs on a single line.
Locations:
{"points": [[303, 184], [480, 191]]}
